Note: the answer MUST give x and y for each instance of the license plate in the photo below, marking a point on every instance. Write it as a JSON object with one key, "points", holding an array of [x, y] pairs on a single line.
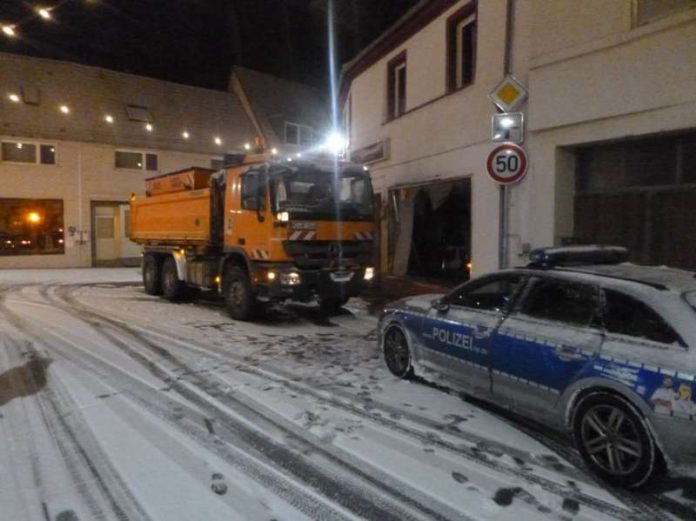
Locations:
{"points": [[341, 276]]}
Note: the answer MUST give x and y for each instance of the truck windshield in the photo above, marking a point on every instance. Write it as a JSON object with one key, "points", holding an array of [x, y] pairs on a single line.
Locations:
{"points": [[312, 193]]}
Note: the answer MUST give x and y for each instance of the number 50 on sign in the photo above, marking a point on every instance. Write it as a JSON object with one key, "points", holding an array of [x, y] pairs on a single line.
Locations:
{"points": [[507, 164]]}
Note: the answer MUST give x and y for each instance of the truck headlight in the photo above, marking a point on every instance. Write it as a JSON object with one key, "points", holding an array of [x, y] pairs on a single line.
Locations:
{"points": [[283, 217], [369, 273], [290, 279]]}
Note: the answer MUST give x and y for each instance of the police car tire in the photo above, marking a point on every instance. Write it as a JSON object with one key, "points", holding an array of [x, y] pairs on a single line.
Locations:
{"points": [[172, 287], [151, 275], [242, 305], [405, 371], [650, 461]]}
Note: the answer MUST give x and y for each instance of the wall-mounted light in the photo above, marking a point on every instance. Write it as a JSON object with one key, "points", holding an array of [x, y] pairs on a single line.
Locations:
{"points": [[14, 98], [9, 30], [109, 118], [185, 135], [149, 127], [247, 146], [274, 151], [65, 109], [218, 141], [44, 13]]}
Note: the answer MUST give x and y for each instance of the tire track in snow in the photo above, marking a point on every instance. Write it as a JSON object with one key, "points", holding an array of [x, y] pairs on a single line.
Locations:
{"points": [[348, 484], [66, 294]]}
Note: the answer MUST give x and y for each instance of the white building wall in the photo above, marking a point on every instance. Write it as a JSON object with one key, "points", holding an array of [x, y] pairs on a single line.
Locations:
{"points": [[596, 77], [441, 136], [83, 173]]}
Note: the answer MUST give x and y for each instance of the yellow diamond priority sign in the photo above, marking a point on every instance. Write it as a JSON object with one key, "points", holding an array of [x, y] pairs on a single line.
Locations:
{"points": [[508, 94]]}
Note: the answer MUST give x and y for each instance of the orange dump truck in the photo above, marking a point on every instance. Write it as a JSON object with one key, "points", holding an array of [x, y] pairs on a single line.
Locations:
{"points": [[260, 230]]}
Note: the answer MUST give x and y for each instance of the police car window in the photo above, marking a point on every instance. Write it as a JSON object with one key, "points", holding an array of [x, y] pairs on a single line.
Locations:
{"points": [[625, 315], [491, 294], [562, 301]]}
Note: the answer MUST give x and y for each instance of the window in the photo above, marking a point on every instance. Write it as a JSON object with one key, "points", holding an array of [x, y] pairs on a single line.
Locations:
{"points": [[396, 86], [625, 315], [296, 134], [137, 113], [31, 227], [649, 10], [23, 152], [490, 294], [253, 191], [136, 160], [561, 301], [461, 48]]}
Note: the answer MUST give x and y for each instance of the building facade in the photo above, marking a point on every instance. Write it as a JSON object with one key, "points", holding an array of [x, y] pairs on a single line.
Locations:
{"points": [[609, 132], [77, 141]]}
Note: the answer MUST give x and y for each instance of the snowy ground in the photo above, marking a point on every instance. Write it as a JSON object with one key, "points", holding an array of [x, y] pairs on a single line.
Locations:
{"points": [[116, 405]]}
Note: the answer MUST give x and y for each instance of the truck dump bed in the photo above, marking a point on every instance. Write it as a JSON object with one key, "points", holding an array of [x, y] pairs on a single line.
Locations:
{"points": [[175, 211]]}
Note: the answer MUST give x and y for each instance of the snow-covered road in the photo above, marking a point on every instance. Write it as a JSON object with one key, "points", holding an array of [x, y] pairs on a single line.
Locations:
{"points": [[118, 405]]}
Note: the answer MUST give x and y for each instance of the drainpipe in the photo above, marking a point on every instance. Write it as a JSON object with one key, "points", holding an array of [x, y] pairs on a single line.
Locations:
{"points": [[504, 219]]}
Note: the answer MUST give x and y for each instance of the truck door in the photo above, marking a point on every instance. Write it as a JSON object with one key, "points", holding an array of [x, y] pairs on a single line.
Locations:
{"points": [[246, 220]]}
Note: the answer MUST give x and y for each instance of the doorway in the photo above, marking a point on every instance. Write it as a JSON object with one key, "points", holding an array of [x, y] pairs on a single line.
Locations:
{"points": [[110, 231]]}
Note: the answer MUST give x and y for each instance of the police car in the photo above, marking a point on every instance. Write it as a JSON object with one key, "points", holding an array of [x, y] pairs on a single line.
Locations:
{"points": [[580, 340]]}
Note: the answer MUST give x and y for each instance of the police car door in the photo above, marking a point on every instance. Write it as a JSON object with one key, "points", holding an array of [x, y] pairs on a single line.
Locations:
{"points": [[457, 330], [548, 340]]}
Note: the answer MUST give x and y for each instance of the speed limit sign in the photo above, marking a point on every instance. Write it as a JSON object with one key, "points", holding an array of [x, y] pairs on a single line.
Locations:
{"points": [[507, 164]]}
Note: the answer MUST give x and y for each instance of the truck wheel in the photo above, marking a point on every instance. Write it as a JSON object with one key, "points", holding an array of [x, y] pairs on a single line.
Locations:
{"points": [[172, 287], [151, 275], [615, 441], [239, 294]]}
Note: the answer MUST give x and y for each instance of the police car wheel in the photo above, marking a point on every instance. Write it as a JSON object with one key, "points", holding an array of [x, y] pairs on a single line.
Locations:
{"points": [[396, 352], [615, 441], [151, 275], [172, 287]]}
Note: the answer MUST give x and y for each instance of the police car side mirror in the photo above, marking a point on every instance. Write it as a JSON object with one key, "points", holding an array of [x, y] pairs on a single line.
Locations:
{"points": [[441, 305]]}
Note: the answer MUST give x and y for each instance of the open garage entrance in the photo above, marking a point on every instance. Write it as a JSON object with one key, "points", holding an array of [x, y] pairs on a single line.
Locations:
{"points": [[430, 230], [640, 194]]}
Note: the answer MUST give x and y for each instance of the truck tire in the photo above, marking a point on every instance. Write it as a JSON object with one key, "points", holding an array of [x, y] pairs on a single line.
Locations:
{"points": [[172, 287], [151, 275], [239, 294]]}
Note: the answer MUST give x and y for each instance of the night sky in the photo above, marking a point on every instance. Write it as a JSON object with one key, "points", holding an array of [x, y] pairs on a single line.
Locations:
{"points": [[197, 41]]}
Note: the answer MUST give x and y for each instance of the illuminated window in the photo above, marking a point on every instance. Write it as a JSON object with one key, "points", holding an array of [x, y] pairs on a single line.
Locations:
{"points": [[31, 227], [461, 48], [28, 152], [396, 86], [136, 160]]}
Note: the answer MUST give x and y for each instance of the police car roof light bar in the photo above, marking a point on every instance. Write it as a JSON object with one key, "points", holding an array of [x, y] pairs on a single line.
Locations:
{"points": [[577, 256]]}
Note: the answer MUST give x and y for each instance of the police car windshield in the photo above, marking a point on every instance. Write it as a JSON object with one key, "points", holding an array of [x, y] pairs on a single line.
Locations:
{"points": [[313, 193]]}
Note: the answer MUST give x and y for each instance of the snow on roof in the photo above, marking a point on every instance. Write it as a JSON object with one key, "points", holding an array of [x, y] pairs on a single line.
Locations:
{"points": [[674, 279]]}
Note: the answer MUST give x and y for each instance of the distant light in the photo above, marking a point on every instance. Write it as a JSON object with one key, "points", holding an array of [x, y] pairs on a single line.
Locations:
{"points": [[290, 159], [9, 30], [20, 145], [44, 13], [218, 141], [14, 98], [109, 118], [149, 127], [65, 109], [369, 273], [247, 146], [140, 165], [185, 135], [365, 168], [34, 217], [53, 149], [298, 155], [274, 151], [271, 275], [60, 241]]}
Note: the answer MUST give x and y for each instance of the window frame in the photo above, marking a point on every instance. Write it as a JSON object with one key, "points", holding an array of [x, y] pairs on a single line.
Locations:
{"points": [[261, 176], [396, 104], [475, 284], [37, 152], [300, 129], [664, 322], [595, 323], [143, 160], [454, 51]]}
